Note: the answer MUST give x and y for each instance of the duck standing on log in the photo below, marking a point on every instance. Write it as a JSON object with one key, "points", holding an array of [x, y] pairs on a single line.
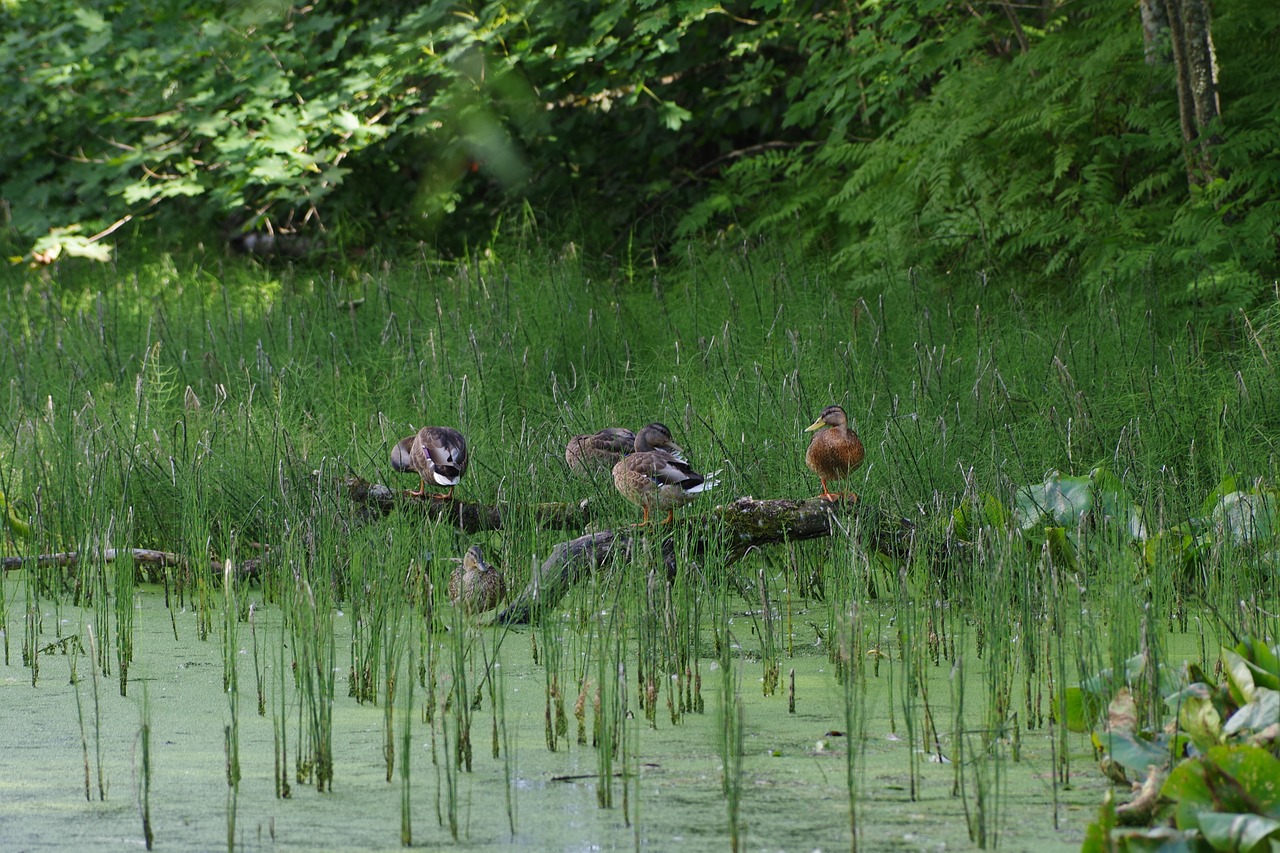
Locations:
{"points": [[835, 451], [436, 454], [656, 477]]}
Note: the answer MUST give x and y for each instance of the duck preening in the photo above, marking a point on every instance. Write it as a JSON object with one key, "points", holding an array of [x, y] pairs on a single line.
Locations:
{"points": [[436, 454]]}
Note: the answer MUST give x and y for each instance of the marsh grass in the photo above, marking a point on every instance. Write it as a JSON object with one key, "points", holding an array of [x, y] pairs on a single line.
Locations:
{"points": [[211, 407]]}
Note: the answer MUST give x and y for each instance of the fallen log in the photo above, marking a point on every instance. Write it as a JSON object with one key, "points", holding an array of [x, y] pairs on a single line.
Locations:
{"points": [[739, 527], [469, 516], [245, 570], [736, 528]]}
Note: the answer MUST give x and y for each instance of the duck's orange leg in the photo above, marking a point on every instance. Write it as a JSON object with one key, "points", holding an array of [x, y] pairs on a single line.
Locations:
{"points": [[828, 495]]}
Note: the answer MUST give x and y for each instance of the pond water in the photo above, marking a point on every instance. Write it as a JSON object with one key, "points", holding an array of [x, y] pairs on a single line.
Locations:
{"points": [[794, 795]]}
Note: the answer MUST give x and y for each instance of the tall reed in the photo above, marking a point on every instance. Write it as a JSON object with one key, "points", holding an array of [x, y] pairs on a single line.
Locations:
{"points": [[231, 688], [144, 743]]}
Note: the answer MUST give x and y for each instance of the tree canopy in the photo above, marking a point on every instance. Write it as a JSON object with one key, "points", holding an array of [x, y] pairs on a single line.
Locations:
{"points": [[1045, 138]]}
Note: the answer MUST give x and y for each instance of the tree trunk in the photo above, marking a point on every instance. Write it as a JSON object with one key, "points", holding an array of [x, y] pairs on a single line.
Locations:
{"points": [[1185, 24]]}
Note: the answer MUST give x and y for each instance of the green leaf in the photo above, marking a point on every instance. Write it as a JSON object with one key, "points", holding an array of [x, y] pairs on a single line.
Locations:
{"points": [[1060, 548], [1243, 832], [1083, 709], [1246, 517], [1264, 662], [672, 115], [968, 519], [1200, 719], [1239, 676], [1187, 786], [1132, 752], [1058, 501], [1246, 777], [1097, 838], [1263, 711]]}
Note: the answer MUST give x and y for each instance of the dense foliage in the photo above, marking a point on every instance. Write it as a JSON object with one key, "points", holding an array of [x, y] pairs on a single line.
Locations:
{"points": [[935, 134]]}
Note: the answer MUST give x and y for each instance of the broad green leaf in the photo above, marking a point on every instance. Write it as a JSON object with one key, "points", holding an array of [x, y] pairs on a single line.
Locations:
{"points": [[1239, 677], [673, 115], [1249, 778], [1186, 786], [1061, 549], [1201, 721], [1115, 506], [1058, 501], [1246, 517], [1160, 839], [1196, 689], [1131, 752], [90, 19], [1083, 709], [346, 120], [1225, 487], [1263, 711], [989, 513], [1097, 838], [283, 135], [1263, 661], [1243, 832]]}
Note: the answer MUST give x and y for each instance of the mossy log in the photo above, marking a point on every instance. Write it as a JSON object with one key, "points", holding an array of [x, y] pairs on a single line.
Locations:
{"points": [[469, 516], [738, 527], [145, 559]]}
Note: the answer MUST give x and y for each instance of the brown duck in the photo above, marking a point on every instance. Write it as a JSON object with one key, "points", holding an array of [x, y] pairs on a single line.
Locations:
{"points": [[475, 586], [835, 451], [588, 453], [656, 477], [437, 454]]}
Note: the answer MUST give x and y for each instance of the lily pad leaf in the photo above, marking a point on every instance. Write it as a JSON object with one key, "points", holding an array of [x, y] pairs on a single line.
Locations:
{"points": [[1263, 711], [1239, 677], [1246, 517], [1133, 753], [1245, 832], [1058, 501]]}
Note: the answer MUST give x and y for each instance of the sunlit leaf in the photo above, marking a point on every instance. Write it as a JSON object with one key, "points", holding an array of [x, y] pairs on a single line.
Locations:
{"points": [[1239, 676], [1201, 721], [1262, 711], [1263, 661], [1132, 752], [1059, 501], [1246, 517], [1083, 709], [1244, 832]]}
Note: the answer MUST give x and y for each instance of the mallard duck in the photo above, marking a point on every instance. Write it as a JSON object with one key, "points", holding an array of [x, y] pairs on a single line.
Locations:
{"points": [[835, 452], [438, 454], [587, 453], [476, 586], [655, 477]]}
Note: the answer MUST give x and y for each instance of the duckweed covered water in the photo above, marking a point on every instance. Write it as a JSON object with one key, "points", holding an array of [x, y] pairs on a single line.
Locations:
{"points": [[794, 795]]}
